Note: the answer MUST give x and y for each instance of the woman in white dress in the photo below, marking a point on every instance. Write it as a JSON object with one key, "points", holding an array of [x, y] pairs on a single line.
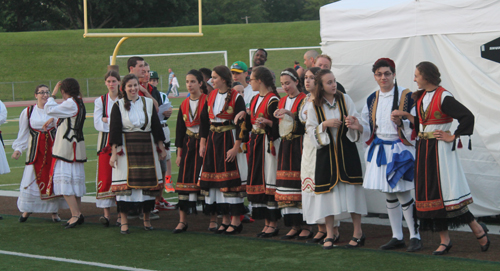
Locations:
{"points": [[338, 175], [135, 135], [307, 172], [105, 199], [67, 173], [36, 134], [4, 165]]}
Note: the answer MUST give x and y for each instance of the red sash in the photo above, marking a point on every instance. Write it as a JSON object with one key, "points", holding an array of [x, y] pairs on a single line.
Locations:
{"points": [[296, 103], [42, 161], [225, 114], [434, 114], [262, 110], [185, 111]]}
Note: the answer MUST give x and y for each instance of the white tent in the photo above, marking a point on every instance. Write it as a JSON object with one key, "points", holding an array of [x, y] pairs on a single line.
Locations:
{"points": [[449, 33]]}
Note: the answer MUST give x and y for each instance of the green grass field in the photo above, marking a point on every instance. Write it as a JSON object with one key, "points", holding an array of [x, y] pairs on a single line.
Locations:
{"points": [[162, 250], [54, 55]]}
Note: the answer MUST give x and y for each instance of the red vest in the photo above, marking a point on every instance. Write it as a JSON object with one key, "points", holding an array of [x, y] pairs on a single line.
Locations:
{"points": [[185, 111], [434, 115], [262, 110], [296, 103], [227, 114]]}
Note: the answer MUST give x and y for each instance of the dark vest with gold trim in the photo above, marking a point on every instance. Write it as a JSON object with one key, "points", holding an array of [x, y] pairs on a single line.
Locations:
{"points": [[228, 113], [69, 144], [262, 109], [406, 103], [34, 137], [339, 161], [185, 106], [434, 115]]}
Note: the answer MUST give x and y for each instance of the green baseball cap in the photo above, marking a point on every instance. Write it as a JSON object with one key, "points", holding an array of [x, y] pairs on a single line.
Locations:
{"points": [[153, 75], [239, 66]]}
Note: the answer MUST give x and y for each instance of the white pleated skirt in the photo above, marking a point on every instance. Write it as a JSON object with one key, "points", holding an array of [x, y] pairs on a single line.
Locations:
{"points": [[69, 179], [340, 202]]}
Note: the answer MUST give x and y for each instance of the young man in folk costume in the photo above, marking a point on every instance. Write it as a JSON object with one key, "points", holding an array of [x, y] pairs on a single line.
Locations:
{"points": [[223, 179], [391, 153], [288, 182]]}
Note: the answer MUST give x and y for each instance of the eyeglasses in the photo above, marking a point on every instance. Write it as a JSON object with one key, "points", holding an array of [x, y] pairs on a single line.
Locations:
{"points": [[43, 93], [387, 74]]}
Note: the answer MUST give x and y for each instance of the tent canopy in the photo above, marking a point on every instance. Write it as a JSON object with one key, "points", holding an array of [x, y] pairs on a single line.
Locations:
{"points": [[449, 33], [350, 20]]}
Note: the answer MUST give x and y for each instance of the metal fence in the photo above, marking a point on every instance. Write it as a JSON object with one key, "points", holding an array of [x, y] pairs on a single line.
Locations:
{"points": [[89, 87]]}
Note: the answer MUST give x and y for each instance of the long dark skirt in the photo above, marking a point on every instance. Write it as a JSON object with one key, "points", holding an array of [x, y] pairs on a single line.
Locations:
{"points": [[217, 173]]}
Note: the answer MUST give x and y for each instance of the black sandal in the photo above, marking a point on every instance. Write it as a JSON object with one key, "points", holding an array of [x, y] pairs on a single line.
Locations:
{"points": [[359, 242], [328, 240], [487, 245], [146, 228], [126, 231]]}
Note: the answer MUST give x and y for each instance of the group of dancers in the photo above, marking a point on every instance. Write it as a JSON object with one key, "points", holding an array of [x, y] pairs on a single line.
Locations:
{"points": [[293, 157]]}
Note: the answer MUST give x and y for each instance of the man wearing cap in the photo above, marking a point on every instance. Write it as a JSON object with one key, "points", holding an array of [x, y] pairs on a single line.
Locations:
{"points": [[239, 70], [390, 152]]}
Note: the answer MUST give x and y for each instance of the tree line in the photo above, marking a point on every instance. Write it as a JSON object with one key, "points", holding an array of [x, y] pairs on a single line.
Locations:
{"points": [[36, 15]]}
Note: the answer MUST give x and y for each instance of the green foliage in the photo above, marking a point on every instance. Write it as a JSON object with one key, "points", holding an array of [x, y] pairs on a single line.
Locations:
{"points": [[33, 15]]}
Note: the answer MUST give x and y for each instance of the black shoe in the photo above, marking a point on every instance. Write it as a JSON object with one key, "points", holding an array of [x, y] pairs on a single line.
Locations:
{"points": [[292, 236], [442, 252], [56, 219], [148, 228], [236, 229], [359, 242], [271, 234], [72, 225], [332, 240], [118, 223], [393, 244], [23, 219], [81, 219], [124, 232], [415, 245], [317, 240], [224, 226], [485, 229], [262, 232], [309, 236], [104, 220], [214, 229], [181, 230]]}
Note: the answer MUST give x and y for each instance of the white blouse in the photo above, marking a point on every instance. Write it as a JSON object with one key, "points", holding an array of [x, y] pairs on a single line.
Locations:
{"points": [[220, 100], [99, 125], [66, 109], [315, 130], [136, 113], [37, 120]]}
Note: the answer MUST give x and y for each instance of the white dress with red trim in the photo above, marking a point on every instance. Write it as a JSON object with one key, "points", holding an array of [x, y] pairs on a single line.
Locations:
{"points": [[104, 170], [68, 178], [29, 194]]}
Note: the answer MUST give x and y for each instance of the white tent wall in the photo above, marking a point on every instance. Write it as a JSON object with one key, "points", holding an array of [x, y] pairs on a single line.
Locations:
{"points": [[355, 33]]}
